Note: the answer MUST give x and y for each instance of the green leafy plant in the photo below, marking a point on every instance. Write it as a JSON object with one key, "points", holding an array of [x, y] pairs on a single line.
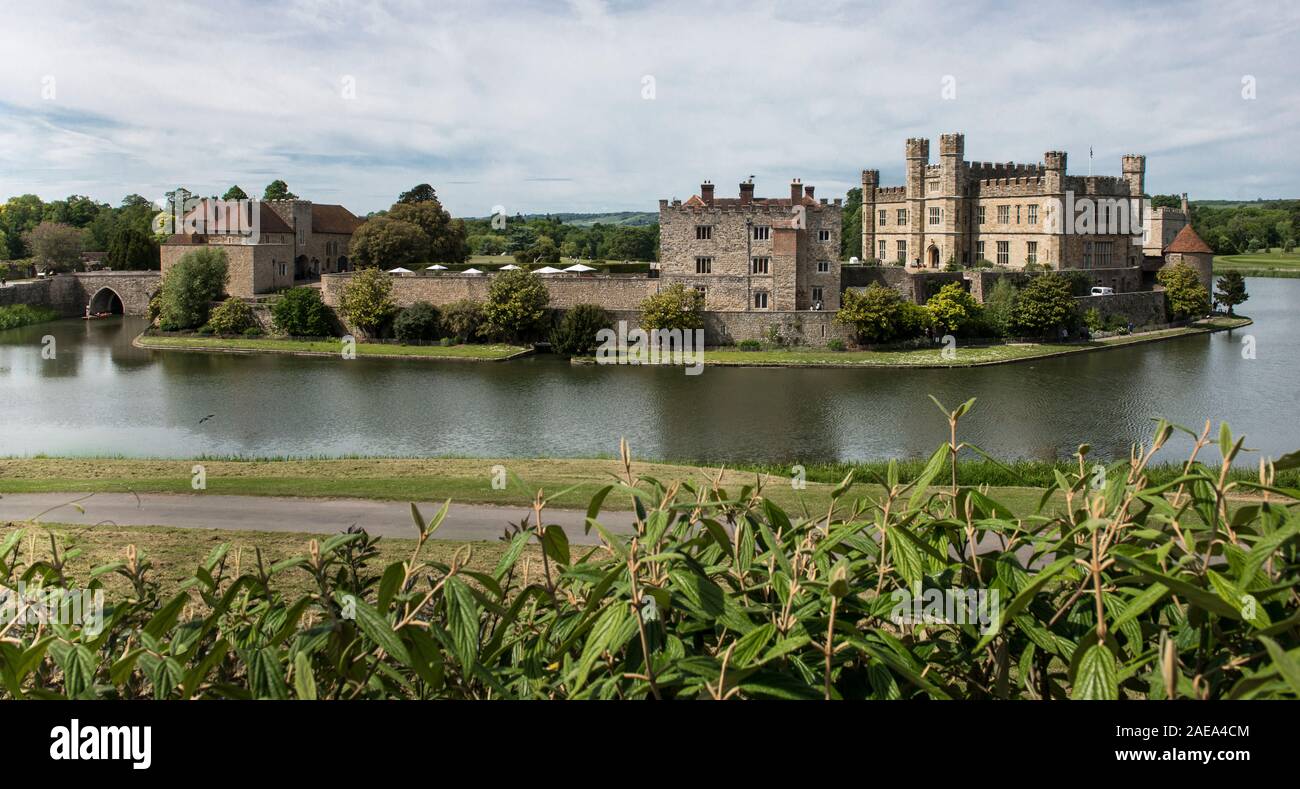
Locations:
{"points": [[189, 287], [516, 305], [674, 307], [575, 335], [300, 312], [232, 316], [419, 322], [463, 320], [368, 300], [1184, 293]]}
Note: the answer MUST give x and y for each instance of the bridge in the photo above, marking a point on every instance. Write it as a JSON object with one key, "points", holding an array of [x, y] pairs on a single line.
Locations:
{"points": [[116, 292]]}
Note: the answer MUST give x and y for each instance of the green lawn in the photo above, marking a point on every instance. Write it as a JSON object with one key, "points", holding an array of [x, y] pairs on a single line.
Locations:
{"points": [[331, 347], [1274, 263], [932, 357]]}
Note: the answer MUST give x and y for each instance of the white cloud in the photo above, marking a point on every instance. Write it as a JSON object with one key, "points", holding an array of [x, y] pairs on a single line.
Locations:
{"points": [[539, 107]]}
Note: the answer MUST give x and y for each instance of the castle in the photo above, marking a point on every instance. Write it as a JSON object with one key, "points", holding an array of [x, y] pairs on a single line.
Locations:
{"points": [[297, 241]]}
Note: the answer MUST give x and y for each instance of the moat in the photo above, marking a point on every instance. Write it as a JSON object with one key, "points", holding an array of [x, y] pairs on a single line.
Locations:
{"points": [[101, 396]]}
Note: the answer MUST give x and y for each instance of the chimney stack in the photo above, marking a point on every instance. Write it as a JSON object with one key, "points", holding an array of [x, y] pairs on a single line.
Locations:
{"points": [[747, 192], [796, 189], [1186, 212], [706, 192], [808, 192]]}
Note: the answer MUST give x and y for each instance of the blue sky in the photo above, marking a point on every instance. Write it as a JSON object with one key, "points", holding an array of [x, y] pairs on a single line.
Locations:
{"points": [[546, 106]]}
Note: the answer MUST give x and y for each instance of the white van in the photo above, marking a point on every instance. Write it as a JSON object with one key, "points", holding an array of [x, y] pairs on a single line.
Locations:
{"points": [[1100, 290]]}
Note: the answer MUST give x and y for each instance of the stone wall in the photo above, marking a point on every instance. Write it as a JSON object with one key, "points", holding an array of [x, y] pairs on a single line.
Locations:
{"points": [[1142, 308], [915, 286], [70, 294], [611, 291]]}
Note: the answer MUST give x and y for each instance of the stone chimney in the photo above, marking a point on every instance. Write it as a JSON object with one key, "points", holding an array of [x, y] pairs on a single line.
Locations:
{"points": [[706, 192], [1186, 212], [747, 192], [808, 192], [796, 189]]}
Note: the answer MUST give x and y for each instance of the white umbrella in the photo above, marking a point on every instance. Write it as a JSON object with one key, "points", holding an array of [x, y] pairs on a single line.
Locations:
{"points": [[579, 267], [436, 267], [546, 270], [399, 270], [471, 271], [510, 267]]}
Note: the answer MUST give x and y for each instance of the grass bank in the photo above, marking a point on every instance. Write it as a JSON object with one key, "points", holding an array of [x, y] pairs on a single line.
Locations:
{"points": [[970, 356], [17, 315], [1273, 263], [329, 348]]}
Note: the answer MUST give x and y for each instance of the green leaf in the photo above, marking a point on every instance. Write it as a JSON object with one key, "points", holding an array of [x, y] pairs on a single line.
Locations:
{"points": [[556, 544], [1285, 664], [462, 621], [1098, 675], [377, 627], [304, 680]]}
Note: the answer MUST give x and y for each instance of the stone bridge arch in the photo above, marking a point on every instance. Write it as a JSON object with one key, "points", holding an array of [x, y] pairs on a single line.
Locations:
{"points": [[99, 289], [106, 300]]}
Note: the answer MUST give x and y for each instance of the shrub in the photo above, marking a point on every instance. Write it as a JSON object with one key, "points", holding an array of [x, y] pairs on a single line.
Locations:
{"points": [[953, 310], [190, 287], [1093, 320], [253, 331], [205, 329], [516, 305], [1000, 307], [674, 307], [232, 316], [1185, 296], [418, 322], [368, 300], [879, 314], [300, 312], [835, 344], [1153, 593], [24, 315], [576, 333], [463, 320], [749, 345], [1045, 306]]}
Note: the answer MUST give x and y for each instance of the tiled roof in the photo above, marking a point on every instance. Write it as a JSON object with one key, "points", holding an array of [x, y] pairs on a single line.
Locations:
{"points": [[326, 218], [1187, 242]]}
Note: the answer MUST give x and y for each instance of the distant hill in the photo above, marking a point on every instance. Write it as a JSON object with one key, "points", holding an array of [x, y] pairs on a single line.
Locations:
{"points": [[629, 218]]}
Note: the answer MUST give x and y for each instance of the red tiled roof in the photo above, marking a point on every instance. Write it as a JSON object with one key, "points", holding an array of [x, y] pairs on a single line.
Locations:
{"points": [[269, 220], [1187, 242], [327, 218]]}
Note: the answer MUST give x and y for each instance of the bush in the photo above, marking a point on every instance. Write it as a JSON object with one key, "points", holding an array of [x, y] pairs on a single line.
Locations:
{"points": [[1045, 307], [368, 300], [749, 345], [232, 316], [1093, 320], [835, 344], [515, 309], [1185, 296], [190, 287], [300, 312], [24, 315], [205, 329], [749, 602], [879, 315], [576, 333], [954, 311], [463, 320], [253, 331], [1000, 307], [674, 307], [419, 322]]}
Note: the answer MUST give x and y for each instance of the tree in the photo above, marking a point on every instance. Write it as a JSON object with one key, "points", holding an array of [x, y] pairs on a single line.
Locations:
{"points": [[851, 223], [953, 310], [55, 246], [1045, 306], [132, 249], [278, 190], [17, 216], [1231, 290], [1000, 306], [232, 316], [385, 242], [190, 287], [576, 333], [368, 300], [445, 237], [299, 312], [421, 193], [516, 305], [674, 307], [879, 314], [418, 322], [463, 319], [1184, 293], [235, 193]]}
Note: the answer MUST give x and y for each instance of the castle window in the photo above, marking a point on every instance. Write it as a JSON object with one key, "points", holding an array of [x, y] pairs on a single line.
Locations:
{"points": [[1033, 214], [902, 216], [823, 235], [704, 265], [1087, 254], [762, 232], [902, 251], [979, 250], [759, 265], [1031, 256], [884, 217], [1103, 254], [703, 291], [1004, 253], [760, 299], [703, 232], [823, 266], [817, 294], [981, 210], [934, 216], [1017, 215], [1004, 214]]}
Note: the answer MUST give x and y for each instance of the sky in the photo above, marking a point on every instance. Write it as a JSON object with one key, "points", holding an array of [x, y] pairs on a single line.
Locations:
{"points": [[592, 106]]}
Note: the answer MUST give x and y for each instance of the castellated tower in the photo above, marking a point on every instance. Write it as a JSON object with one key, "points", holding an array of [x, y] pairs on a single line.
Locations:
{"points": [[1134, 169], [918, 160], [1054, 172], [870, 180], [948, 236]]}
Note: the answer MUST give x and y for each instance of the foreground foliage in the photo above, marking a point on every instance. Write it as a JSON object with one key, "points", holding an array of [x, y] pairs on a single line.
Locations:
{"points": [[1137, 590]]}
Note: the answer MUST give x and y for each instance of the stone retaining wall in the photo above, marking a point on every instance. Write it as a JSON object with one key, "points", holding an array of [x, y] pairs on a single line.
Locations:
{"points": [[70, 294]]}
